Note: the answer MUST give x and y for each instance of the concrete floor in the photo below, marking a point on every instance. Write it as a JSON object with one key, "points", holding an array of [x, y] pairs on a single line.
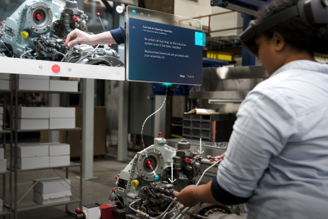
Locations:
{"points": [[97, 190]]}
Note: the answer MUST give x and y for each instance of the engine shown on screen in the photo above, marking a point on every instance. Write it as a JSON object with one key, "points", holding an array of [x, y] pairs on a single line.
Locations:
{"points": [[38, 28], [144, 188]]}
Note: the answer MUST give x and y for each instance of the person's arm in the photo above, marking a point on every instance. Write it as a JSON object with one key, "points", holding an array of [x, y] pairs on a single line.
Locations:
{"points": [[192, 195], [77, 36], [265, 123]]}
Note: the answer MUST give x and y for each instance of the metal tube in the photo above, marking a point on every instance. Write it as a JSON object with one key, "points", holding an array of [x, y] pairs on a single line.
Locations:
{"points": [[214, 14], [15, 151], [81, 166], [11, 146]]}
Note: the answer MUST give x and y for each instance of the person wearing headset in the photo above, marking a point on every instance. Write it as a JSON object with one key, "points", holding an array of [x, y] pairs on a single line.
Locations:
{"points": [[277, 157], [116, 36]]}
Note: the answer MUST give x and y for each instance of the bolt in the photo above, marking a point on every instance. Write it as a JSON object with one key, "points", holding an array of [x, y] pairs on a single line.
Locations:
{"points": [[143, 175], [32, 8], [32, 28], [159, 153], [143, 154], [48, 26]]}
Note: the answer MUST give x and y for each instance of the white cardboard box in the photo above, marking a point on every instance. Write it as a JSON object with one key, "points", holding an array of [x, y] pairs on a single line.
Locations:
{"points": [[4, 76], [33, 84], [38, 77], [2, 154], [70, 86], [32, 150], [62, 112], [1, 110], [30, 124], [58, 149], [3, 165], [33, 112], [52, 185], [4, 85], [51, 198], [68, 123], [59, 161], [27, 163]]}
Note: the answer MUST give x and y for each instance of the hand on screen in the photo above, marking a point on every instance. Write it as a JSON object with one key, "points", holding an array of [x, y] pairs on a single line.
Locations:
{"points": [[218, 158], [77, 36]]}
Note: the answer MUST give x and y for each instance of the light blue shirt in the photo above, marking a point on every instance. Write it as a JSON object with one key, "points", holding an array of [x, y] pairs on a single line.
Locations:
{"points": [[278, 151]]}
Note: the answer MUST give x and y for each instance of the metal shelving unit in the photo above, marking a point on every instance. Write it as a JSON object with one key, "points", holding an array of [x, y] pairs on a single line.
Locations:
{"points": [[7, 208], [30, 205]]}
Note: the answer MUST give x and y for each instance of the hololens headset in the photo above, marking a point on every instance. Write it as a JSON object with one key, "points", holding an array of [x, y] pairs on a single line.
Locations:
{"points": [[313, 11]]}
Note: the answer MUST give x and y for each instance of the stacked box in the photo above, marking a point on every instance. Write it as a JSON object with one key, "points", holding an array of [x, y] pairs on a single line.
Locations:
{"points": [[62, 117], [31, 118], [4, 81], [51, 190], [59, 154], [33, 82], [32, 156], [3, 161], [1, 205]]}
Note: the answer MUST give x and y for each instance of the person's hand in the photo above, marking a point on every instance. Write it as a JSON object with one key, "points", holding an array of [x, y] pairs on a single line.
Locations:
{"points": [[185, 197], [77, 36], [218, 158]]}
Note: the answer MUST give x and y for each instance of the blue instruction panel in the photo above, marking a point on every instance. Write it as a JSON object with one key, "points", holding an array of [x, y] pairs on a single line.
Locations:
{"points": [[164, 53]]}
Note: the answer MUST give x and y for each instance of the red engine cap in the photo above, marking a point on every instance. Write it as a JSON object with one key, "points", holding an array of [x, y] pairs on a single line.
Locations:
{"points": [[160, 134], [38, 16], [149, 164], [63, 10], [187, 160], [98, 14], [78, 210], [1, 22], [75, 18], [115, 177], [113, 189], [176, 188], [110, 45]]}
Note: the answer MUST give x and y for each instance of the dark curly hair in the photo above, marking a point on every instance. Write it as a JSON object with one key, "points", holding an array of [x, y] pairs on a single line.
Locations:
{"points": [[297, 32]]}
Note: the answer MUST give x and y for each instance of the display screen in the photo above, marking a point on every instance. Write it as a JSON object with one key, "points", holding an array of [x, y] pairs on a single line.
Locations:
{"points": [[164, 53], [32, 41]]}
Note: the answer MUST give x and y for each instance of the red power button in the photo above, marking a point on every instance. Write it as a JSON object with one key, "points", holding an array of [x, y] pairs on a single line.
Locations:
{"points": [[55, 68]]}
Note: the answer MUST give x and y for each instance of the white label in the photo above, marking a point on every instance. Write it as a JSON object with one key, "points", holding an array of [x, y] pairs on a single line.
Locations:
{"points": [[120, 189], [9, 38]]}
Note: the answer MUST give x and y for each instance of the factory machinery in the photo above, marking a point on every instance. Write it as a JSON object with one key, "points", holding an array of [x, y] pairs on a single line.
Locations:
{"points": [[144, 189], [38, 28]]}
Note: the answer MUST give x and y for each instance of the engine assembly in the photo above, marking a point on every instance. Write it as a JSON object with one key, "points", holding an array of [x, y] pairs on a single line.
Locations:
{"points": [[38, 28], [144, 188]]}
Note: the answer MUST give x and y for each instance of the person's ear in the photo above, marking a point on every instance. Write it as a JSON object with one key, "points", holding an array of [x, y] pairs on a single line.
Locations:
{"points": [[279, 41]]}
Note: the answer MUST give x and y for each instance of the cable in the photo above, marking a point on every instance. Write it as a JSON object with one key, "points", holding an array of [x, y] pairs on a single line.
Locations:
{"points": [[143, 125], [28, 51], [6, 47], [206, 171]]}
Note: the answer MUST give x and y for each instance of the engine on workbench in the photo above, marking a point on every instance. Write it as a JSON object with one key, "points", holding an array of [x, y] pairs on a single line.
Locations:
{"points": [[144, 188], [38, 28]]}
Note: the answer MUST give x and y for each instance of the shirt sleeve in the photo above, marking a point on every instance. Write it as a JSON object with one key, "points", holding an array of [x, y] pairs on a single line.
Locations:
{"points": [[265, 122], [119, 35]]}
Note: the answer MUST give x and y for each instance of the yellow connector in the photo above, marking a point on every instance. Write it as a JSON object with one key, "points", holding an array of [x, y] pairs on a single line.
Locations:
{"points": [[25, 34], [135, 183]]}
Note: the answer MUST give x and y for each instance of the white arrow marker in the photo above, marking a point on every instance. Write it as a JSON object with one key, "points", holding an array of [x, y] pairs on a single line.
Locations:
{"points": [[200, 147], [172, 180]]}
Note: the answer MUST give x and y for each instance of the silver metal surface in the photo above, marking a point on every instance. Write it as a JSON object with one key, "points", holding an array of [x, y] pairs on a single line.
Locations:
{"points": [[157, 156], [43, 8], [87, 134]]}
